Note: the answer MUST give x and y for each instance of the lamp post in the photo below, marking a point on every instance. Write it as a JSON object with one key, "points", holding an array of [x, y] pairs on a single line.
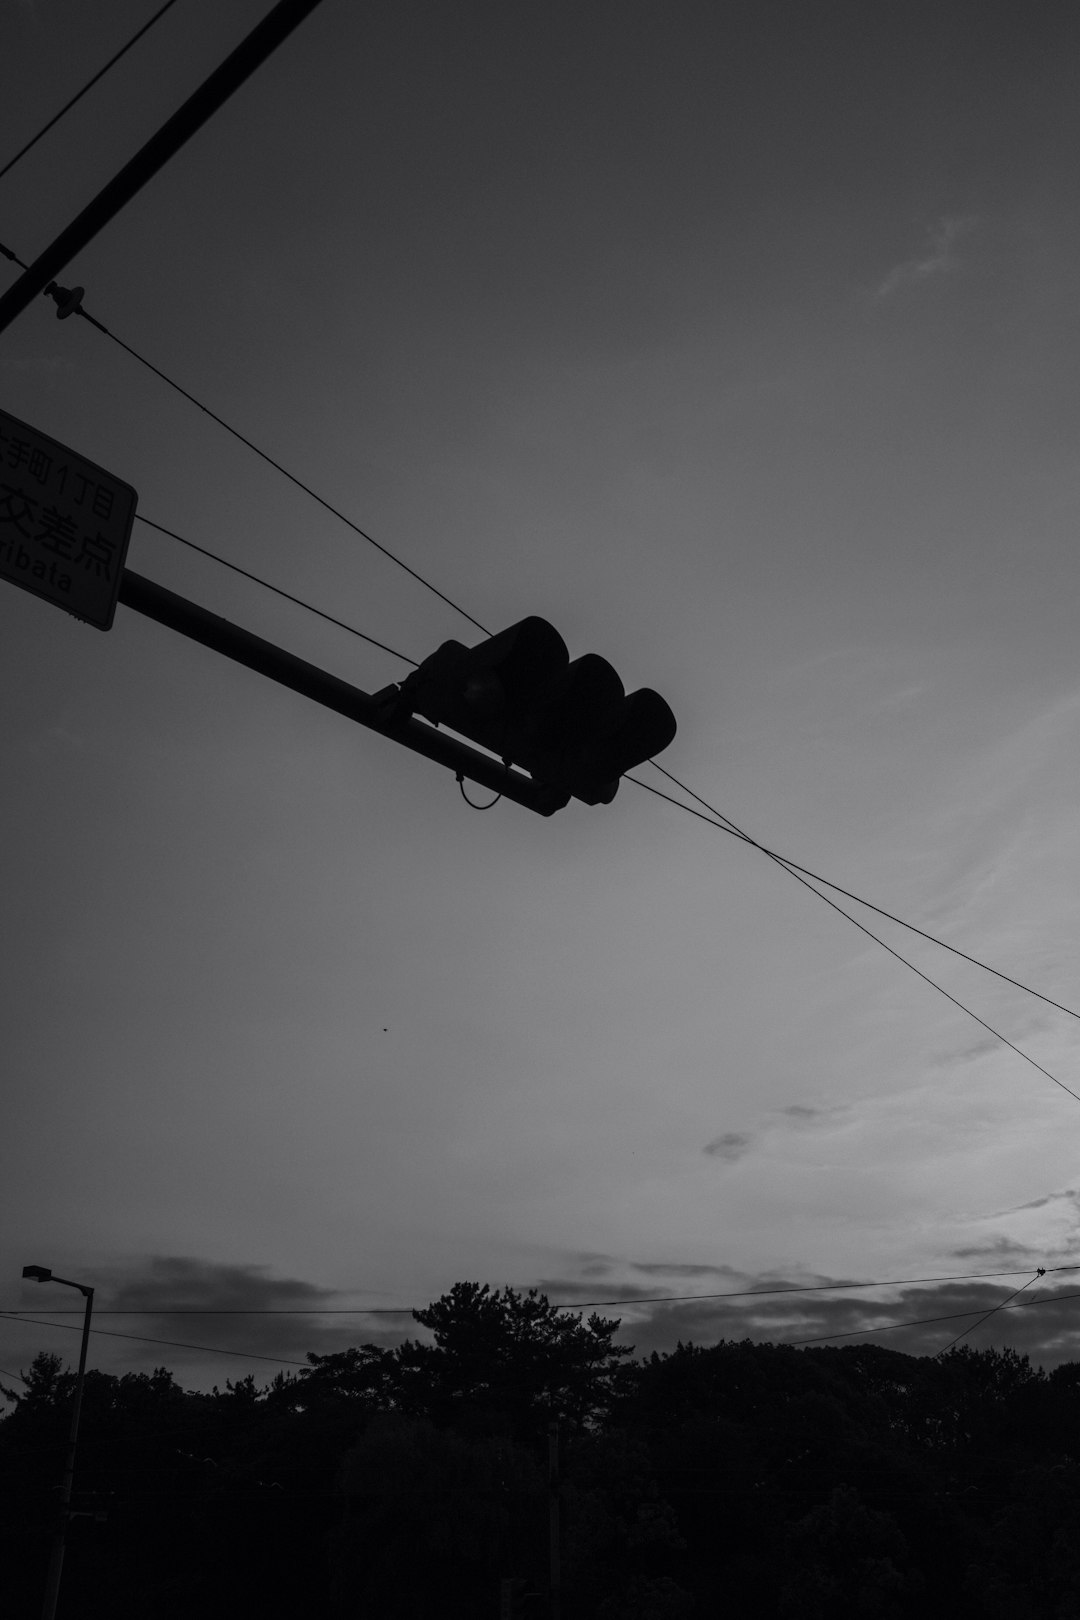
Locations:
{"points": [[56, 1559]]}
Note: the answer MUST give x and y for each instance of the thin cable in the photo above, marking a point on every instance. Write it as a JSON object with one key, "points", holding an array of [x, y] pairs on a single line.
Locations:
{"points": [[726, 824], [868, 932], [927, 1321], [721, 820], [472, 802], [569, 1305], [335, 511], [175, 1344], [1041, 1272], [5, 1374], [853, 1333], [793, 866], [275, 588], [89, 85], [77, 309]]}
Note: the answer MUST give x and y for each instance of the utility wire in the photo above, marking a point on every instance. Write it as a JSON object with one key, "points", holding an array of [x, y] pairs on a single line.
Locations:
{"points": [[89, 85], [820, 1338], [992, 1311], [801, 874], [60, 295], [796, 870], [570, 1305], [175, 1344], [793, 867], [862, 928], [926, 1321], [160, 527]]}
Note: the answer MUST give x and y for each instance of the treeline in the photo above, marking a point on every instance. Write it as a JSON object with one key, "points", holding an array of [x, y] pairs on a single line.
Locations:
{"points": [[737, 1479]]}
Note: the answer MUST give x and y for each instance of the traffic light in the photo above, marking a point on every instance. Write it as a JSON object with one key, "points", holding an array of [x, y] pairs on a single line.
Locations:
{"points": [[571, 725]]}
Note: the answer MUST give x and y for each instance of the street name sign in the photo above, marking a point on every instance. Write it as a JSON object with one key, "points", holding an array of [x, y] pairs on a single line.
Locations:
{"points": [[65, 523]]}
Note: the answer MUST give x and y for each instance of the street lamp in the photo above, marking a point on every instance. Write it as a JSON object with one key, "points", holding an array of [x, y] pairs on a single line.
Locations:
{"points": [[42, 1274]]}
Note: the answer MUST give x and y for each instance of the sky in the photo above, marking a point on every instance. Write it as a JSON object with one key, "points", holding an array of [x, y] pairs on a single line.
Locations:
{"points": [[740, 341]]}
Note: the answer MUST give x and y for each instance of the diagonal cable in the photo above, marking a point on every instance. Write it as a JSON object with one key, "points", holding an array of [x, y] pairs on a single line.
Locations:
{"points": [[160, 527], [870, 934], [563, 1305], [89, 85], [794, 867], [1041, 1272], [141, 1338], [57, 293], [930, 1321]]}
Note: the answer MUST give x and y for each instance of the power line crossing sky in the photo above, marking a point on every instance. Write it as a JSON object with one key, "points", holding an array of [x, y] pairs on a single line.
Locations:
{"points": [[739, 343]]}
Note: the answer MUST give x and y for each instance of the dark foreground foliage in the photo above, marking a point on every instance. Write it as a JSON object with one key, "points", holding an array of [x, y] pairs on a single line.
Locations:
{"points": [[737, 1479]]}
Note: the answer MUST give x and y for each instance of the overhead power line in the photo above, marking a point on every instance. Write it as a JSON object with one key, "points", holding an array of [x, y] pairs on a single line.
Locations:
{"points": [[89, 85], [560, 1305], [61, 297], [265, 583], [142, 1338], [719, 825], [802, 873], [212, 94], [993, 1311], [820, 1338], [793, 866], [928, 1321]]}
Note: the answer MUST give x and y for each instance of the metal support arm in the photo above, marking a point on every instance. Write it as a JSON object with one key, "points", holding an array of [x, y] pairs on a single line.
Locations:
{"points": [[144, 596]]}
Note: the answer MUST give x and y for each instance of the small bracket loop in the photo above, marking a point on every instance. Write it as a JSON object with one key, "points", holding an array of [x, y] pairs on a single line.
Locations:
{"points": [[472, 802]]}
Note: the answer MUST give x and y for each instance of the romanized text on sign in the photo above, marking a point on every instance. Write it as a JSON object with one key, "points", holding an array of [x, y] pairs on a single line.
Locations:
{"points": [[64, 523]]}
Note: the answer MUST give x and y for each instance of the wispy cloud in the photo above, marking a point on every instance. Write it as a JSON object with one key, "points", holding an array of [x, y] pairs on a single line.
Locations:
{"points": [[1047, 1327], [240, 1307], [997, 1251], [938, 257], [767, 1306], [730, 1146], [177, 1282]]}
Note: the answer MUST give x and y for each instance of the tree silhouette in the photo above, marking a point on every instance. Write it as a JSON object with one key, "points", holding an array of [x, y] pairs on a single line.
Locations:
{"points": [[502, 1362]]}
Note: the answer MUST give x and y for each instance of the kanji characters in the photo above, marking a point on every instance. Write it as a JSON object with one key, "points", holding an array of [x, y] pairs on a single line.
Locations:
{"points": [[102, 503], [57, 532], [21, 453], [98, 554], [16, 508]]}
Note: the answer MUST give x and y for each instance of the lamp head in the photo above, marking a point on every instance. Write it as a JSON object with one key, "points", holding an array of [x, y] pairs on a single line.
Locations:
{"points": [[37, 1273]]}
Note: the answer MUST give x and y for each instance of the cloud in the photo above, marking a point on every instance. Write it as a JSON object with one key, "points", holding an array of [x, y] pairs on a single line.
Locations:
{"points": [[680, 1269], [916, 1321], [1043, 1322], [1069, 1193], [938, 258], [730, 1147], [177, 1282], [998, 1250], [766, 1307], [205, 1304], [801, 1115]]}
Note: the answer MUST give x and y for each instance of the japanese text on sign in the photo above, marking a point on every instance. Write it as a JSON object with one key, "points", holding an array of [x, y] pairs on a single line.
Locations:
{"points": [[64, 523]]}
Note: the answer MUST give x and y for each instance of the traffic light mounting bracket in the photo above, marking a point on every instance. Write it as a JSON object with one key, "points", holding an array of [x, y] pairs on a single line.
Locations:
{"points": [[177, 613]]}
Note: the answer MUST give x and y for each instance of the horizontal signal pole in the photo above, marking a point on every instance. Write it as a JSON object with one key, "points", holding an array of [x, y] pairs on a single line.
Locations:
{"points": [[177, 613], [211, 94]]}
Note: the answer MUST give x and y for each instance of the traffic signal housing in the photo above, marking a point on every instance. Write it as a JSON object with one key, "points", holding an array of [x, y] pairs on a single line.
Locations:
{"points": [[570, 724]]}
